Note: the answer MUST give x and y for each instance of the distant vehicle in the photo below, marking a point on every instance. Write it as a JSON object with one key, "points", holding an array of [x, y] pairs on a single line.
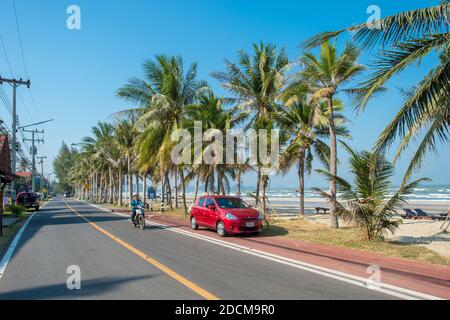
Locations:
{"points": [[28, 200], [227, 215], [67, 195]]}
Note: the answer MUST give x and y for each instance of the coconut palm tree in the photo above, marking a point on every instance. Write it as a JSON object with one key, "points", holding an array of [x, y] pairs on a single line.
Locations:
{"points": [[125, 137], [326, 75], [405, 39], [255, 82], [210, 111], [161, 98], [366, 201], [24, 164], [305, 126]]}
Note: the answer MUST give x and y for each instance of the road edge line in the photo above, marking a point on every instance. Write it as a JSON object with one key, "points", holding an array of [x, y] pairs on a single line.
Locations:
{"points": [[9, 252]]}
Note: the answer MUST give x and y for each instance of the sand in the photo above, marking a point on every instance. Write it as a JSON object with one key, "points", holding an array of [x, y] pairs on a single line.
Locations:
{"points": [[427, 233]]}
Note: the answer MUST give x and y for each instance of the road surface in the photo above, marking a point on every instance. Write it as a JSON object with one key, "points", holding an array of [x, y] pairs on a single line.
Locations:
{"points": [[119, 262]]}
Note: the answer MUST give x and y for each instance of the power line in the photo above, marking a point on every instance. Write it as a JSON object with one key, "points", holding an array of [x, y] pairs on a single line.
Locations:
{"points": [[34, 104], [6, 56], [26, 108], [5, 100], [23, 59], [20, 39]]}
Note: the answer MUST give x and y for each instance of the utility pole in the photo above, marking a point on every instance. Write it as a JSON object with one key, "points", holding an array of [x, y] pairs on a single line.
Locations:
{"points": [[41, 162], [15, 84], [33, 154]]}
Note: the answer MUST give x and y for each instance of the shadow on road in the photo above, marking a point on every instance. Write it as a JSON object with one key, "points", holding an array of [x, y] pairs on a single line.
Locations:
{"points": [[89, 288]]}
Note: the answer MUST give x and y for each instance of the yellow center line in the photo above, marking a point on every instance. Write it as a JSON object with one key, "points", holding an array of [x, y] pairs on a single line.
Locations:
{"points": [[197, 289]]}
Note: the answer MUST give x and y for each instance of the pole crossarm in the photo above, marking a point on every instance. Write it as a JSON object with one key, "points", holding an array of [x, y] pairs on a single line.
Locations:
{"points": [[16, 82]]}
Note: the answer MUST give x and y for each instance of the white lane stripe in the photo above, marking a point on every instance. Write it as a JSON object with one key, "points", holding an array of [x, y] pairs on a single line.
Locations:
{"points": [[342, 276], [12, 247]]}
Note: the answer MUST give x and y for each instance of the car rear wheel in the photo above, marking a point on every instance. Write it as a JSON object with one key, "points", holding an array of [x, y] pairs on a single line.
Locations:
{"points": [[194, 224], [221, 229]]}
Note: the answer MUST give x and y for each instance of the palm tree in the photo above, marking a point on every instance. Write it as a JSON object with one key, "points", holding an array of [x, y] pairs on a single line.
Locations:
{"points": [[24, 164], [368, 204], [405, 40], [255, 81], [126, 136], [326, 76], [161, 97], [104, 151], [305, 125], [210, 111]]}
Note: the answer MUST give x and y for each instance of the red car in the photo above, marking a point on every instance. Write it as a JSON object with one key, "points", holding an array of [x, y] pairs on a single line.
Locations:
{"points": [[227, 215], [28, 200]]}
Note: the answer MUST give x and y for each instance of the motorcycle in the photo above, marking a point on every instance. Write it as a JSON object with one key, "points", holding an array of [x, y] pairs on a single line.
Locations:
{"points": [[139, 219]]}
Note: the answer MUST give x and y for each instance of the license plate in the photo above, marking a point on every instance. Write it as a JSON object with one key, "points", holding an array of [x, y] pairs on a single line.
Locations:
{"points": [[250, 224]]}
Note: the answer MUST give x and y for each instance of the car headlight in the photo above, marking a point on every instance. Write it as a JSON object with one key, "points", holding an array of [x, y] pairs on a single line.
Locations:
{"points": [[230, 216]]}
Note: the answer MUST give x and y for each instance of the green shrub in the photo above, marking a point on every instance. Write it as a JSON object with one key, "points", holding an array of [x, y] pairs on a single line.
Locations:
{"points": [[17, 210]]}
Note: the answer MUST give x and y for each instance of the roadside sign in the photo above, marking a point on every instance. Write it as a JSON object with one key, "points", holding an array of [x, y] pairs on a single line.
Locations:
{"points": [[151, 193]]}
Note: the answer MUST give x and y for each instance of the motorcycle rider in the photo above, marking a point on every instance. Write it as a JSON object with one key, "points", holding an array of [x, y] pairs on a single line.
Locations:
{"points": [[134, 205]]}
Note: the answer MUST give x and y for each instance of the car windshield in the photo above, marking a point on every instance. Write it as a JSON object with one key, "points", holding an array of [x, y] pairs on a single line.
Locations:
{"points": [[231, 203]]}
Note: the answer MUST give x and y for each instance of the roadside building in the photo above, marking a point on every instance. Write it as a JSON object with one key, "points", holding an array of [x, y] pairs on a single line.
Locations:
{"points": [[6, 176]]}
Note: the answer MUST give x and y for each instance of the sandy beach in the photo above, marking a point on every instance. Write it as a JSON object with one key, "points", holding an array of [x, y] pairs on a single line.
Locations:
{"points": [[289, 206]]}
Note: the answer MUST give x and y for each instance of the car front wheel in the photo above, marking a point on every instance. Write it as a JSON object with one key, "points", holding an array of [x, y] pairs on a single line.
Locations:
{"points": [[194, 224], [221, 229]]}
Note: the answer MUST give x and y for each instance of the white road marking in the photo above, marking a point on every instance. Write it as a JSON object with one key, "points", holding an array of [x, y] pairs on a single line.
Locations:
{"points": [[395, 291], [12, 247]]}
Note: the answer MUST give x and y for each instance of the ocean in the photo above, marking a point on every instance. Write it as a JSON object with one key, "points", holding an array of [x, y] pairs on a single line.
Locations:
{"points": [[424, 193]]}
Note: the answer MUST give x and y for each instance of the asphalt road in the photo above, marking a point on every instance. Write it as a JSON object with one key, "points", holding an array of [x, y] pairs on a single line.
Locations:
{"points": [[171, 265]]}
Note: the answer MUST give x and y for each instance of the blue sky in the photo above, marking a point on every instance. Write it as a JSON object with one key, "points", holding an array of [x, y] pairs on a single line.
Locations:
{"points": [[75, 73]]}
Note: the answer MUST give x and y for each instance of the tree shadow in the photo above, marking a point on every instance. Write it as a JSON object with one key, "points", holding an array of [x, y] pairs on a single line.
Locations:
{"points": [[89, 288]]}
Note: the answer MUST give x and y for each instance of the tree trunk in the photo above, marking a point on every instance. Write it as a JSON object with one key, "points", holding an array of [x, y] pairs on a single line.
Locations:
{"points": [[169, 191], [301, 182], [120, 188], [238, 178], [258, 184], [197, 182], [183, 191], [137, 183], [334, 222], [130, 180], [219, 183], [175, 185], [206, 183], [264, 180], [144, 186]]}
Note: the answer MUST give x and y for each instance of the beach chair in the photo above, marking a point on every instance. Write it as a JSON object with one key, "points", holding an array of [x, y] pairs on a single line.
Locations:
{"points": [[422, 214], [409, 214]]}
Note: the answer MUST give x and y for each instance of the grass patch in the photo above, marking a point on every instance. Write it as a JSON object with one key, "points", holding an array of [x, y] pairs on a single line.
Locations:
{"points": [[10, 231], [298, 229], [176, 213]]}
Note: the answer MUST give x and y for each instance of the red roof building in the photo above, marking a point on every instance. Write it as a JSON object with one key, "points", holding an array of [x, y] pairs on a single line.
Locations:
{"points": [[25, 175]]}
